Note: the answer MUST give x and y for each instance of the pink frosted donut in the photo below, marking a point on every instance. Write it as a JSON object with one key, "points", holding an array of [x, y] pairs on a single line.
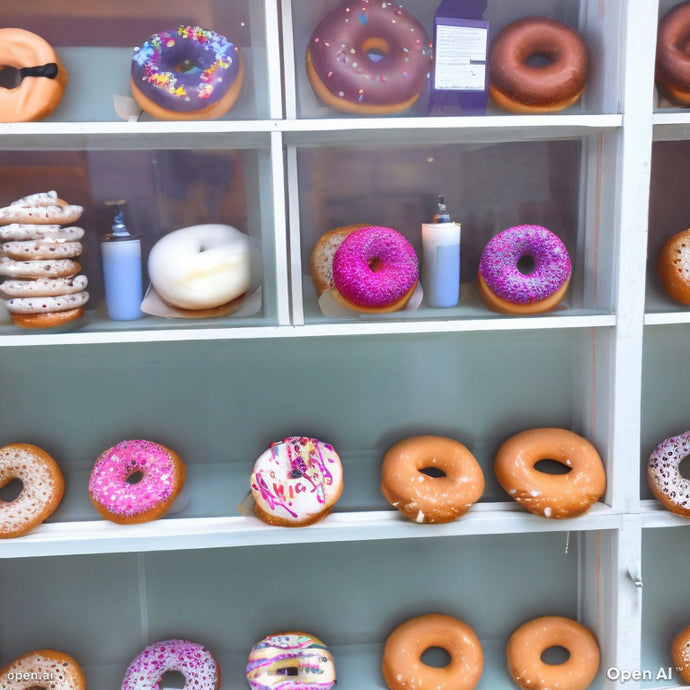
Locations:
{"points": [[190, 659], [117, 499], [665, 480], [375, 269], [502, 284]]}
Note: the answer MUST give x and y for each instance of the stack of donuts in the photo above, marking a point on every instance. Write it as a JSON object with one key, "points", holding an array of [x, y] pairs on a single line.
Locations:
{"points": [[38, 258]]}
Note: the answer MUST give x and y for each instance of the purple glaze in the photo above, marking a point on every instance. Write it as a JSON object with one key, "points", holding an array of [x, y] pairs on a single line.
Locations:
{"points": [[498, 265], [339, 53], [155, 68], [190, 659], [375, 267]]}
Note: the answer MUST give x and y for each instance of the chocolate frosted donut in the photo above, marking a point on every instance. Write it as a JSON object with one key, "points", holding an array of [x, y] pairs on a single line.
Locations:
{"points": [[369, 58], [672, 54]]}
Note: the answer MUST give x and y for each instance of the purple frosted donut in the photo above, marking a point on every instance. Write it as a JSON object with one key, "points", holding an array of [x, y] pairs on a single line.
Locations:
{"points": [[665, 480], [185, 70], [375, 267], [499, 264], [192, 660]]}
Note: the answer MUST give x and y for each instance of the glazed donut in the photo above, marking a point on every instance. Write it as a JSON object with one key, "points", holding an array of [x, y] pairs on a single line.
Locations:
{"points": [[506, 289], [44, 287], [375, 270], [200, 267], [45, 248], [517, 86], [424, 498], [23, 232], [188, 73], [47, 319], [369, 58], [321, 259], [35, 669], [665, 480], [532, 639], [296, 482], [680, 654], [41, 493], [551, 495], [403, 668], [43, 77], [673, 266], [672, 59], [290, 660], [120, 501], [192, 660], [39, 268]]}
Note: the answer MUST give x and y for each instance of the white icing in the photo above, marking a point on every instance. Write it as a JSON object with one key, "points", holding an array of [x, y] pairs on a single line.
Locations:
{"points": [[664, 474], [37, 670], [420, 517]]}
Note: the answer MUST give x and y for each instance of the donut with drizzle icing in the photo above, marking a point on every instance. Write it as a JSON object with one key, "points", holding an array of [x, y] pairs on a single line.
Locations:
{"points": [[668, 485], [369, 58], [296, 482]]}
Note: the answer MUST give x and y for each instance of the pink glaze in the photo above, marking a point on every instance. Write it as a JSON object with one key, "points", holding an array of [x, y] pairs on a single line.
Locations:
{"points": [[108, 482], [192, 660], [498, 265], [375, 267]]}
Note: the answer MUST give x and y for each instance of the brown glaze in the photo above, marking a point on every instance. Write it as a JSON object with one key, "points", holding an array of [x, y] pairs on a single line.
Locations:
{"points": [[673, 54], [680, 654], [49, 319], [673, 266]]}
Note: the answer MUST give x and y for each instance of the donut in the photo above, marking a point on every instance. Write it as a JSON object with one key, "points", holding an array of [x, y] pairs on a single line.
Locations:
{"points": [[47, 319], [402, 665], [369, 58], [673, 266], [375, 270], [46, 248], [296, 482], [117, 499], [192, 660], [23, 232], [521, 87], [680, 654], [200, 267], [44, 668], [41, 492], [38, 268], [290, 660], [43, 77], [321, 259], [425, 498], [551, 495], [532, 639], [665, 480], [672, 72], [33, 210], [42, 305], [44, 287], [506, 289], [188, 73]]}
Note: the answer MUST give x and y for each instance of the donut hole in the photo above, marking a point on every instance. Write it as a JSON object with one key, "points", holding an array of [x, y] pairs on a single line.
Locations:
{"points": [[10, 492], [436, 657], [526, 264], [375, 264], [187, 67], [173, 680], [549, 466], [684, 467], [287, 671], [10, 78], [376, 49], [135, 477], [434, 472], [555, 655], [539, 60]]}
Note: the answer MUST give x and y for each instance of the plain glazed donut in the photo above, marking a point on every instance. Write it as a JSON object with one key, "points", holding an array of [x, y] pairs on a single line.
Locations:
{"points": [[551, 495], [43, 77], [162, 477], [680, 654], [192, 660], [665, 480], [321, 259], [517, 86], [506, 289], [402, 665], [672, 58], [35, 669], [673, 266], [200, 267], [188, 73], [425, 498], [290, 660], [296, 482], [369, 58], [42, 488], [375, 270], [532, 639]]}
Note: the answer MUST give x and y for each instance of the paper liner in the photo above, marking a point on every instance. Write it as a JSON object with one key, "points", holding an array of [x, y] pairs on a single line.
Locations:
{"points": [[246, 508], [126, 108], [333, 309], [248, 304]]}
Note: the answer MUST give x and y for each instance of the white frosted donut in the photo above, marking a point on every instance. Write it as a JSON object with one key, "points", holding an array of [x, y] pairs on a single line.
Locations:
{"points": [[48, 248], [44, 287], [200, 267], [51, 215], [296, 482], [24, 231], [38, 268], [39, 199], [41, 305], [665, 480]]}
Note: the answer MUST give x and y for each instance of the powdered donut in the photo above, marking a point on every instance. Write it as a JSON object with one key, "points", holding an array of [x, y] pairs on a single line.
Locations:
{"points": [[41, 305], [45, 248], [297, 656], [673, 265], [44, 668], [41, 492], [192, 660], [680, 654], [47, 319], [665, 480], [321, 260], [44, 287], [23, 231], [39, 268]]}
